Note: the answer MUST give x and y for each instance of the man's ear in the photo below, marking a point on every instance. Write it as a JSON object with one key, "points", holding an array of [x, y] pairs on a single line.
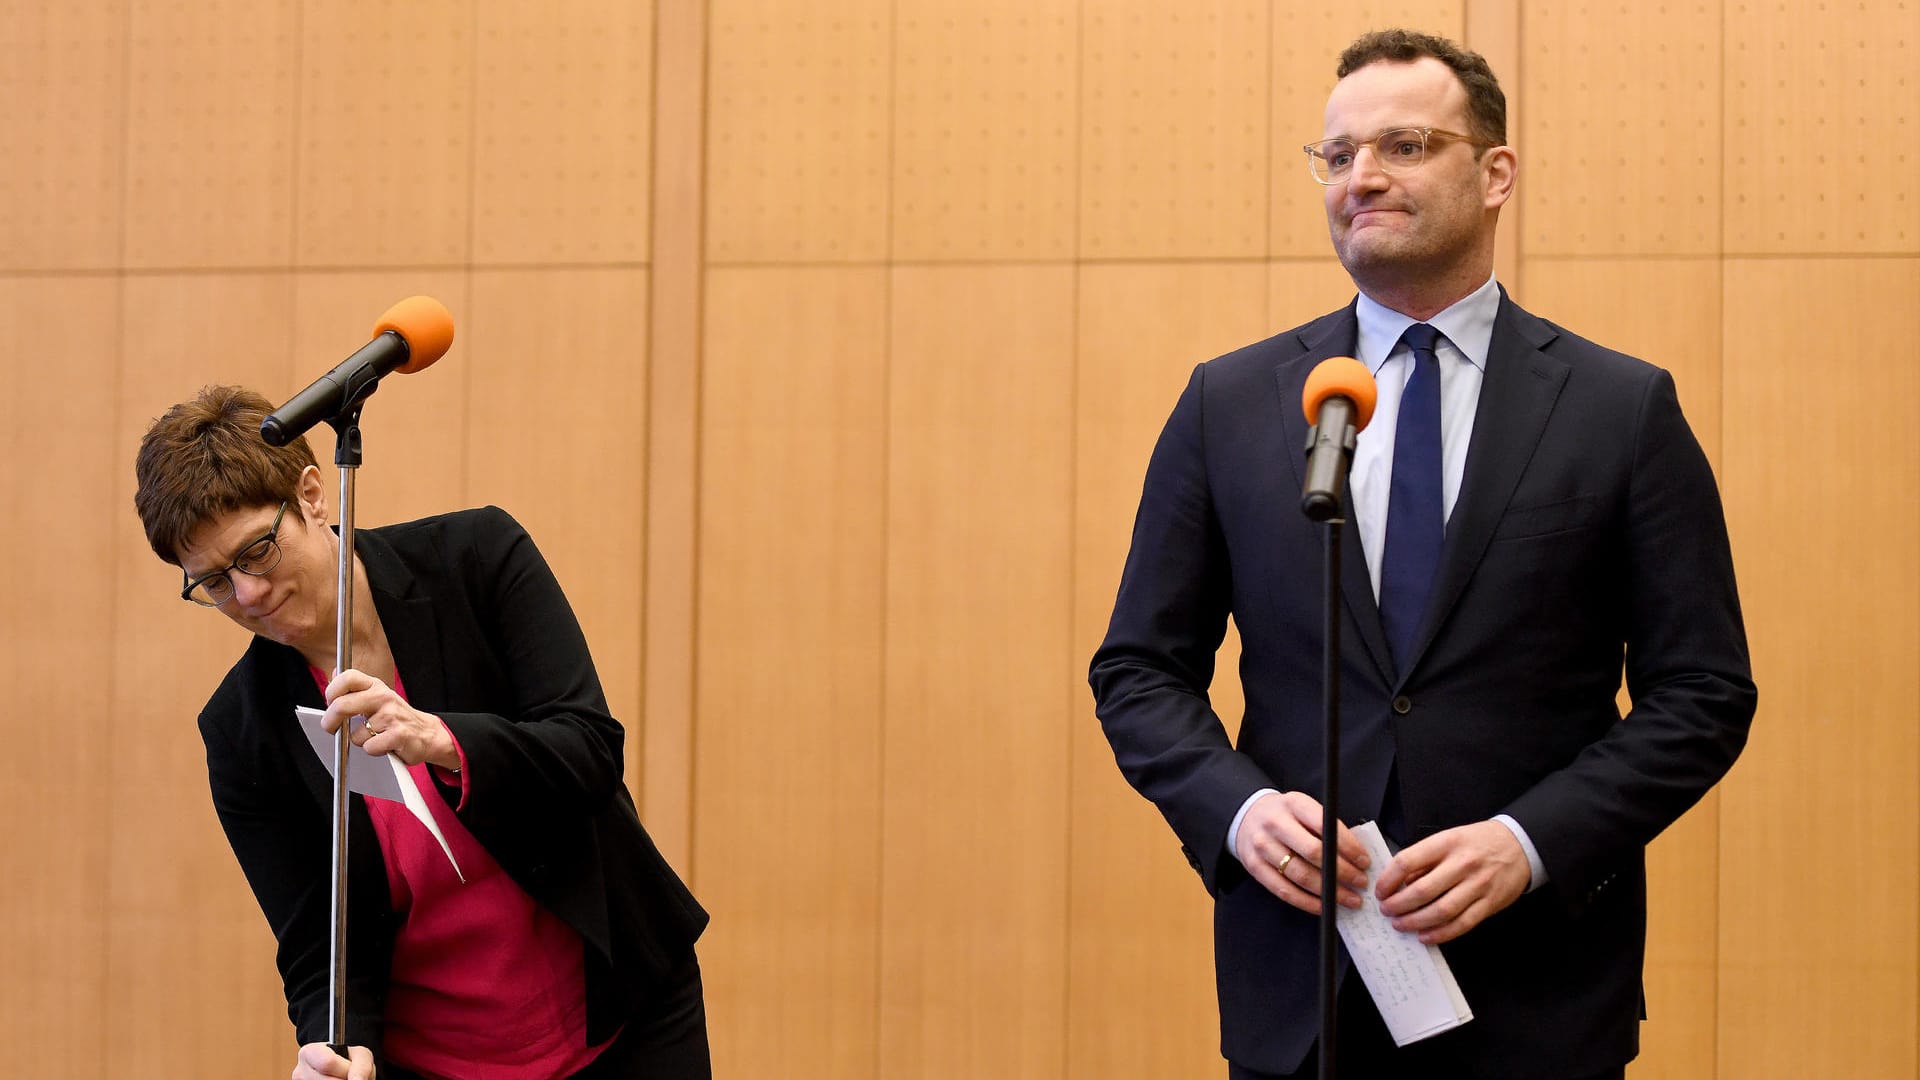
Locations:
{"points": [[1500, 168]]}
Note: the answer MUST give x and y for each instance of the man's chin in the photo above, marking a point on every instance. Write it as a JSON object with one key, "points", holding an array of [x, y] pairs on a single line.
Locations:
{"points": [[1360, 256]]}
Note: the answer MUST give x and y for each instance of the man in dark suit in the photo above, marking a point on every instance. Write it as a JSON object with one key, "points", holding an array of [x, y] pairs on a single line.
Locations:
{"points": [[1528, 512]]}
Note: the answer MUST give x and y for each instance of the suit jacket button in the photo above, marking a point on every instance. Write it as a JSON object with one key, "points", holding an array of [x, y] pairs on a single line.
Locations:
{"points": [[1403, 704]]}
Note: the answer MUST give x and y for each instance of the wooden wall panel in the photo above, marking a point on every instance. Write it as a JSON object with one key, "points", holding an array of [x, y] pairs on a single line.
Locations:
{"points": [[562, 110], [1818, 138], [1140, 999], [61, 176], [800, 101], [1818, 968], [1673, 320], [940, 908], [986, 124], [210, 133], [555, 431], [787, 816], [1299, 291], [676, 286], [63, 487], [385, 159], [410, 427], [978, 614], [1619, 153], [1174, 130], [190, 972], [1306, 52]]}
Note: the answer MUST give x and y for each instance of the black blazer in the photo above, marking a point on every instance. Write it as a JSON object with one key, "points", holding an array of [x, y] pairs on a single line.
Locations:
{"points": [[482, 636], [1588, 531]]}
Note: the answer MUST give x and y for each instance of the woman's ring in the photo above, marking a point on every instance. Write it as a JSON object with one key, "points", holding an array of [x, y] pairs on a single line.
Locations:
{"points": [[1282, 864]]}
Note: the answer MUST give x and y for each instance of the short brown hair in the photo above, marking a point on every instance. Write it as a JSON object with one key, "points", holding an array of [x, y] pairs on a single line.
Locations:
{"points": [[1486, 102], [204, 458]]}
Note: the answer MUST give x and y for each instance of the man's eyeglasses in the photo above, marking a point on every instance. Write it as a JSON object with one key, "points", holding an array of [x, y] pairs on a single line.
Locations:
{"points": [[260, 557], [1401, 150]]}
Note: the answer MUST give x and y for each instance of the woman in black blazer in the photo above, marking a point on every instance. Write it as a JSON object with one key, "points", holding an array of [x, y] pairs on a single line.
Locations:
{"points": [[562, 943]]}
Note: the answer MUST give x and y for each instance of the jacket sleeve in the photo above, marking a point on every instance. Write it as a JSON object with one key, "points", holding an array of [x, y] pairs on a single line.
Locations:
{"points": [[1151, 675], [546, 753], [1687, 669]]}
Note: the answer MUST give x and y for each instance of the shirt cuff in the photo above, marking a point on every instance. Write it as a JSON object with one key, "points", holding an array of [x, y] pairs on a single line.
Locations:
{"points": [[1538, 868], [453, 778], [1233, 830]]}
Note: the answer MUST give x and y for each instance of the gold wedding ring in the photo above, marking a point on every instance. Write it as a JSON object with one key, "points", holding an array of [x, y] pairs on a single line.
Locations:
{"points": [[1284, 860]]}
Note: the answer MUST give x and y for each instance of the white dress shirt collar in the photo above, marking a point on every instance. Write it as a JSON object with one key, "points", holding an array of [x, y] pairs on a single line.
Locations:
{"points": [[1468, 323]]}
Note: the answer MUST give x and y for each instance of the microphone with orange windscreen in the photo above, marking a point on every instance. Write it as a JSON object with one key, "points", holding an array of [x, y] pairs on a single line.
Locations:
{"points": [[411, 335], [1338, 399]]}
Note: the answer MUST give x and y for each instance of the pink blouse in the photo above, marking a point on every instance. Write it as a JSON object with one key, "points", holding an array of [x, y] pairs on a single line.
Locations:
{"points": [[485, 984]]}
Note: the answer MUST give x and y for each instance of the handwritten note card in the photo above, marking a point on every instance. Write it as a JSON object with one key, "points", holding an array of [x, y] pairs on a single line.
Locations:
{"points": [[1410, 982]]}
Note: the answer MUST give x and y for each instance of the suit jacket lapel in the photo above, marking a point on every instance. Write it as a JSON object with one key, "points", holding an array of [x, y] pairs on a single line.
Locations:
{"points": [[1330, 336], [1517, 394]]}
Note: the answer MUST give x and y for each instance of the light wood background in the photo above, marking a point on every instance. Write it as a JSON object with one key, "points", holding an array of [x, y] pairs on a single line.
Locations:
{"points": [[821, 346]]}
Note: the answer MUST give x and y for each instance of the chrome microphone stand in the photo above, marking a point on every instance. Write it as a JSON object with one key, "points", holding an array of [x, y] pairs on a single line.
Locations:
{"points": [[346, 455]]}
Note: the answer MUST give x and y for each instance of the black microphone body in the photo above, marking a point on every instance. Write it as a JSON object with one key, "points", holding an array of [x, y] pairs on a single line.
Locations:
{"points": [[1329, 459], [338, 390]]}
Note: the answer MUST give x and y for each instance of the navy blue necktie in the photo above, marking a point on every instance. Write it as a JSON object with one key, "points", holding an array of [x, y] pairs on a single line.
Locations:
{"points": [[1416, 518]]}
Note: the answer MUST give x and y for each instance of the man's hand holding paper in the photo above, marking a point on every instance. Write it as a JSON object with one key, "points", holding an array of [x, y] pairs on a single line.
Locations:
{"points": [[1452, 881]]}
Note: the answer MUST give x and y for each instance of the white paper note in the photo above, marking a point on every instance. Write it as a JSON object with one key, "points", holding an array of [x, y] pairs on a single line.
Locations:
{"points": [[1410, 982], [377, 777]]}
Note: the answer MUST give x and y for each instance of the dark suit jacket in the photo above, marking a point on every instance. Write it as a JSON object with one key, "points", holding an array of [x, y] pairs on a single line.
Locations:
{"points": [[482, 636], [1588, 528]]}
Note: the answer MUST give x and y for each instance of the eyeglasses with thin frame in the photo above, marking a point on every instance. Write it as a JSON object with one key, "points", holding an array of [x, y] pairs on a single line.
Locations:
{"points": [[1398, 151], [257, 560]]}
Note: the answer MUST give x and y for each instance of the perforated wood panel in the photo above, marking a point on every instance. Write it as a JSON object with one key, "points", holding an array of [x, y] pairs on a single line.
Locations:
{"points": [[554, 430], [985, 130], [1619, 152], [62, 496], [209, 142], [562, 112], [1819, 978], [1174, 130], [1298, 291], [973, 849], [879, 509], [1820, 127], [792, 756], [385, 158], [61, 176], [800, 137]]}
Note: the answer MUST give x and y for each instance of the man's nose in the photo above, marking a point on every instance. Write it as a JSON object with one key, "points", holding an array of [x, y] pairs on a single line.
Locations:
{"points": [[1366, 174]]}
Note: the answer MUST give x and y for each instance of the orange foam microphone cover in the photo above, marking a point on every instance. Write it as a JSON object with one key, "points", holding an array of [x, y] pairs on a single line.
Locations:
{"points": [[1341, 376], [427, 326]]}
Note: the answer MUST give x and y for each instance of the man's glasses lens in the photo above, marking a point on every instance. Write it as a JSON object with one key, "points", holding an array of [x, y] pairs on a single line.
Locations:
{"points": [[1395, 151]]}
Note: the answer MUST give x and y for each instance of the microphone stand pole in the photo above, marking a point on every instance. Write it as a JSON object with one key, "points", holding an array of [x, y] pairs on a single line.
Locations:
{"points": [[1331, 439], [1329, 818], [346, 455]]}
